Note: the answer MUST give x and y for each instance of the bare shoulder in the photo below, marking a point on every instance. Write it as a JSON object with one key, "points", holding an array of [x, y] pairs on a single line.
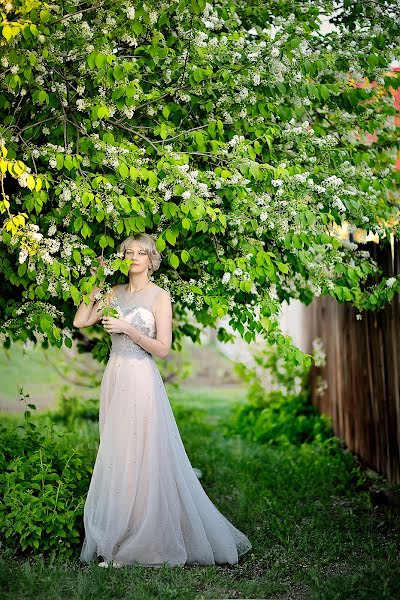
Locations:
{"points": [[161, 292], [162, 298]]}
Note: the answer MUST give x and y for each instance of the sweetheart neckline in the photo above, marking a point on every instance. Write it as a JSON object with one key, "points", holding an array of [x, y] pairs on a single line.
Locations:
{"points": [[142, 307]]}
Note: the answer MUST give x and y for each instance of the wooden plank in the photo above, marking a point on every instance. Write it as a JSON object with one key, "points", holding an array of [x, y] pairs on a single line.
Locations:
{"points": [[362, 371]]}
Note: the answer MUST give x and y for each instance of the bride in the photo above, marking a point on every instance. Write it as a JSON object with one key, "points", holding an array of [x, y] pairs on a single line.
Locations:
{"points": [[145, 504]]}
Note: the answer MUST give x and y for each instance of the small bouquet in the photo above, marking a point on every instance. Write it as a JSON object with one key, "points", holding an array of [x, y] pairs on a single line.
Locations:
{"points": [[111, 309]]}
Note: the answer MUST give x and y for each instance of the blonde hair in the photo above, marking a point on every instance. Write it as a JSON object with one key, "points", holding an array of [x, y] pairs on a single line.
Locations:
{"points": [[148, 244]]}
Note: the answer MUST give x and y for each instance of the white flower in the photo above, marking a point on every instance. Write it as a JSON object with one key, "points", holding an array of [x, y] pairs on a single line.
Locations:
{"points": [[153, 16], [339, 204], [22, 179], [130, 11], [226, 277], [186, 195], [391, 281], [23, 255]]}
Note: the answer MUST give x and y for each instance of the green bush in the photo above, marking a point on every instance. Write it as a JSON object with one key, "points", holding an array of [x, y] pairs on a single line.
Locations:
{"points": [[71, 408], [280, 419], [44, 478], [283, 414]]}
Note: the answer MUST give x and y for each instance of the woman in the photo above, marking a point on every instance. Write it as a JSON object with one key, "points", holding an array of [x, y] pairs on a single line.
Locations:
{"points": [[145, 504]]}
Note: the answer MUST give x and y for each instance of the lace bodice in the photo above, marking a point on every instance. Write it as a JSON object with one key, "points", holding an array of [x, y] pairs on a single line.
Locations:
{"points": [[136, 308]]}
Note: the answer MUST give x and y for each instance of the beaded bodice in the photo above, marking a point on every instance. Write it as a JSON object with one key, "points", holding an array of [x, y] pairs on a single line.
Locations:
{"points": [[136, 309]]}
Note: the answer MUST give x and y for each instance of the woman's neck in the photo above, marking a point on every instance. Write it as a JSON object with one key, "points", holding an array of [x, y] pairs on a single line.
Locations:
{"points": [[137, 283]]}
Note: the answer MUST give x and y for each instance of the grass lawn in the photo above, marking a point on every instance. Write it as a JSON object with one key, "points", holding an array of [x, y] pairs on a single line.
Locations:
{"points": [[306, 510]]}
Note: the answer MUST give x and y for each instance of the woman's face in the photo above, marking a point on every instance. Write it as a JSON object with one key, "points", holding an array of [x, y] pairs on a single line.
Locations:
{"points": [[140, 260]]}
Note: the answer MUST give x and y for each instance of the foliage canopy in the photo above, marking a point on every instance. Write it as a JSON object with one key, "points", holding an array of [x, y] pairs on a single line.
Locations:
{"points": [[236, 133]]}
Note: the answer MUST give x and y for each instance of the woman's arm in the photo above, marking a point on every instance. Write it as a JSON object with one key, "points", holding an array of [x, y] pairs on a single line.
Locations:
{"points": [[161, 345], [90, 314]]}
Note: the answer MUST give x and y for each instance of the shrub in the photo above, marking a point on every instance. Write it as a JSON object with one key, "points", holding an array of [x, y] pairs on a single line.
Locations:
{"points": [[279, 408], [71, 408], [280, 419], [44, 477]]}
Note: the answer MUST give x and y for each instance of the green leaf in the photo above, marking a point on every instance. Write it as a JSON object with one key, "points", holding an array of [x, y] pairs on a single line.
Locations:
{"points": [[74, 294], [103, 242], [123, 170], [43, 97], [86, 231], [152, 179], [186, 223], [185, 256], [78, 223], [100, 215], [22, 269], [45, 15], [282, 267], [91, 60], [137, 27], [160, 244], [324, 92], [163, 131], [373, 60], [118, 72], [295, 42], [174, 260], [7, 32], [171, 236], [68, 162], [198, 75], [100, 61], [45, 324], [60, 161], [196, 289], [102, 112]]}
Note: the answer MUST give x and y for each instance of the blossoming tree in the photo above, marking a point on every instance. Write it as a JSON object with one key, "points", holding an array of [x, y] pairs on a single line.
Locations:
{"points": [[232, 132]]}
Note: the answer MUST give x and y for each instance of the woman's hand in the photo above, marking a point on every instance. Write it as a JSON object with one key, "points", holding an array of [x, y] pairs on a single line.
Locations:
{"points": [[93, 271], [113, 325]]}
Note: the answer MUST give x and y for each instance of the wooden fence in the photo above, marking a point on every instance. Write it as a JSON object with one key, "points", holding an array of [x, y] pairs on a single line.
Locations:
{"points": [[362, 371]]}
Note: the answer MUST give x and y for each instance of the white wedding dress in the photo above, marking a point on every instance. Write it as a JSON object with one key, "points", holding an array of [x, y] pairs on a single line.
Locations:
{"points": [[145, 504]]}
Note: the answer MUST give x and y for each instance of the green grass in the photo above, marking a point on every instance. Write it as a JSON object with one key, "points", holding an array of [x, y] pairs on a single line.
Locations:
{"points": [[306, 510], [21, 368]]}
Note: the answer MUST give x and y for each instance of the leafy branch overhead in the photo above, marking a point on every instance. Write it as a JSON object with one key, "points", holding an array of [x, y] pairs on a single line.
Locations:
{"points": [[237, 133]]}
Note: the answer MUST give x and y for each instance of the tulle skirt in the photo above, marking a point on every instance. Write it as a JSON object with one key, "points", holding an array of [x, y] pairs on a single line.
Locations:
{"points": [[145, 503]]}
